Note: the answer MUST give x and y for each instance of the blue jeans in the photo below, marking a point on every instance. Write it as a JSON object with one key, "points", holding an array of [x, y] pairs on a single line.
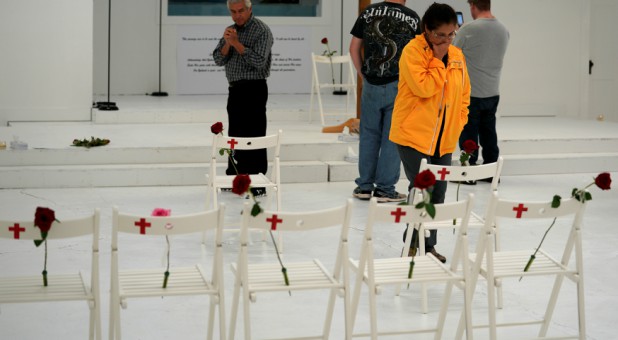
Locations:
{"points": [[378, 160], [481, 128]]}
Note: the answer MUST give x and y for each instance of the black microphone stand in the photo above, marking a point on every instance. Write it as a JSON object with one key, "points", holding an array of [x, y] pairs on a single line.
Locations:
{"points": [[341, 91], [108, 106], [160, 93]]}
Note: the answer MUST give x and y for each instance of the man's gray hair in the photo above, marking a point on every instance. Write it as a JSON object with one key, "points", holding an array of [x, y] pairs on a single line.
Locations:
{"points": [[247, 3]]}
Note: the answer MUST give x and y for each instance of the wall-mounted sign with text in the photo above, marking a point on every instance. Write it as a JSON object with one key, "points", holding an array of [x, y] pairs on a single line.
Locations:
{"points": [[197, 73]]}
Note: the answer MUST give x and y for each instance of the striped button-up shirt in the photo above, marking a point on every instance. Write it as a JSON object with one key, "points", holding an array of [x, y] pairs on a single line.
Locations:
{"points": [[255, 62]]}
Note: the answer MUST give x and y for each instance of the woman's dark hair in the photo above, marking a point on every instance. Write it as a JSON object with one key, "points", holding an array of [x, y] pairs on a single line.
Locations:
{"points": [[437, 15]]}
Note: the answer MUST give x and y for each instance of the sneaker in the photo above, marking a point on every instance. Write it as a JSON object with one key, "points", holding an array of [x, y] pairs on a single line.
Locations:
{"points": [[384, 197], [465, 182], [437, 255], [364, 195]]}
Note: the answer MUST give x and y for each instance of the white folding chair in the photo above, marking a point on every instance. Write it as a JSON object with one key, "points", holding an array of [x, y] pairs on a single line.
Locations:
{"points": [[378, 272], [317, 86], [496, 264], [130, 231], [272, 183], [76, 286], [254, 278], [453, 173]]}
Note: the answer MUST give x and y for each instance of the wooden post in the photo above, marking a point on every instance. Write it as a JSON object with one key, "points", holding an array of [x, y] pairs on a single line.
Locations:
{"points": [[359, 81]]}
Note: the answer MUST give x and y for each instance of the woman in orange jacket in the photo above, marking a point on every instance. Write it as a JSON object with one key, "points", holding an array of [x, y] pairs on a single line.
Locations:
{"points": [[431, 107]]}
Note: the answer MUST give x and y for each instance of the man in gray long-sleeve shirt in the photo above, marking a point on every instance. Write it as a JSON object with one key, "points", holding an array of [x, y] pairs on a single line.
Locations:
{"points": [[483, 42]]}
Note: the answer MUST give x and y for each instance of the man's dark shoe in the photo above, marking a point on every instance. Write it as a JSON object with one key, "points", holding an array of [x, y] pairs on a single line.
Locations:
{"points": [[440, 258], [465, 182], [488, 180], [364, 195], [258, 192], [383, 197]]}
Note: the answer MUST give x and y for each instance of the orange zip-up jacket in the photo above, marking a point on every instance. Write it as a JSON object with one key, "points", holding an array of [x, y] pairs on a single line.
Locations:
{"points": [[426, 89]]}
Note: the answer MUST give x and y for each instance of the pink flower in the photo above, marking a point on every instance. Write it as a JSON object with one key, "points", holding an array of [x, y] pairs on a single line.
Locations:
{"points": [[160, 212]]}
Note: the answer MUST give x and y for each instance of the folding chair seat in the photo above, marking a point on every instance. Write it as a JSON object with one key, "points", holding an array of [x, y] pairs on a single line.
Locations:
{"points": [[272, 183], [498, 264], [131, 232], [378, 272], [266, 277], [79, 285], [317, 86]]}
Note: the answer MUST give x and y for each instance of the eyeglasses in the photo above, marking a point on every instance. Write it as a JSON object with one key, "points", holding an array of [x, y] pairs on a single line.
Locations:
{"points": [[443, 36]]}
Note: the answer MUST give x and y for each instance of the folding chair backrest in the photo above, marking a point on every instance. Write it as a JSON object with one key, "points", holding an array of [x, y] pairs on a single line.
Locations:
{"points": [[247, 143], [528, 210], [167, 225], [503, 214], [321, 59], [297, 221], [384, 213], [67, 228], [466, 173]]}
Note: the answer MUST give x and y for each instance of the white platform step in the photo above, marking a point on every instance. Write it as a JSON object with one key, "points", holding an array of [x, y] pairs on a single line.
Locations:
{"points": [[127, 175], [178, 154]]}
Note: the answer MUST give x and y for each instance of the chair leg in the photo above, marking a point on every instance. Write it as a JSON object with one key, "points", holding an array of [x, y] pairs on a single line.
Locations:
{"points": [[355, 299], [329, 313], [581, 309], [491, 304], [234, 313], [246, 304], [211, 317], [551, 304], [92, 318], [373, 314], [114, 307], [221, 304]]}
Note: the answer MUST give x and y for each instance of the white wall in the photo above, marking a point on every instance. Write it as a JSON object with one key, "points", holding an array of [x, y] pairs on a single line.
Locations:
{"points": [[134, 61], [46, 60], [544, 71]]}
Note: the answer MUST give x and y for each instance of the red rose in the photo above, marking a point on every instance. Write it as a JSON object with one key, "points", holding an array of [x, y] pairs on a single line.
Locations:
{"points": [[216, 128], [424, 180], [324, 41], [241, 183], [470, 146], [603, 181], [43, 218]]}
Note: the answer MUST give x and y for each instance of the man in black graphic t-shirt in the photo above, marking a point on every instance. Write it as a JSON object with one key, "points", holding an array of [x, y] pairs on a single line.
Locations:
{"points": [[382, 29]]}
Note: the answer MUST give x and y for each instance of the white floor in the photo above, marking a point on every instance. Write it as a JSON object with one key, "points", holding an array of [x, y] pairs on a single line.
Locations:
{"points": [[185, 318], [282, 316]]}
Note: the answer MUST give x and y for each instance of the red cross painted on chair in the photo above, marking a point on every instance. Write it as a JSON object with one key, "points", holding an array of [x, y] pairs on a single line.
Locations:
{"points": [[16, 229], [232, 142], [520, 209], [398, 213], [274, 221], [142, 224], [443, 172]]}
